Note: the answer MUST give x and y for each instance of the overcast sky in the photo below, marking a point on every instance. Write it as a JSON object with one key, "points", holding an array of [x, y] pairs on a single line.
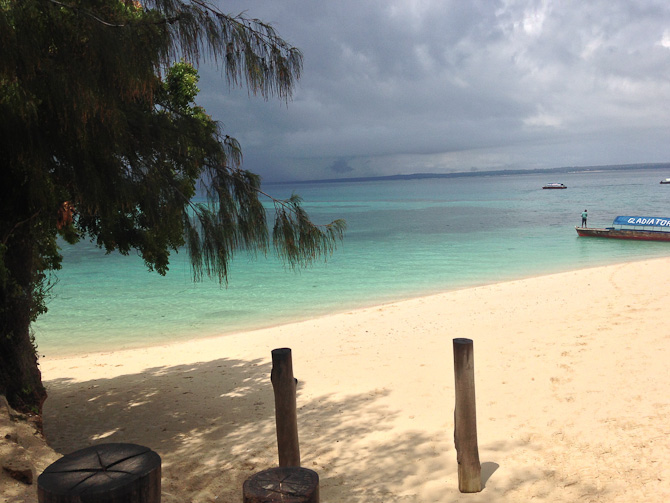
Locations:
{"points": [[411, 86]]}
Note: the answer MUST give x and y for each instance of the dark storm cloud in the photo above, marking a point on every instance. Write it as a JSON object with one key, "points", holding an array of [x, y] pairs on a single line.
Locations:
{"points": [[341, 167], [407, 86]]}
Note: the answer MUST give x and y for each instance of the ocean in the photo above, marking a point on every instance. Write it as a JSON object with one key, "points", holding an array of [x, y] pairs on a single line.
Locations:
{"points": [[405, 238]]}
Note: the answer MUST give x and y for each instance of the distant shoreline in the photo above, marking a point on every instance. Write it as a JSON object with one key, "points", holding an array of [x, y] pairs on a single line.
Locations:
{"points": [[501, 172]]}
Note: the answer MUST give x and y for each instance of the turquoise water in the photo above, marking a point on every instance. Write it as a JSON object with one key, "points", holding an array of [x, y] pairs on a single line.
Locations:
{"points": [[404, 239]]}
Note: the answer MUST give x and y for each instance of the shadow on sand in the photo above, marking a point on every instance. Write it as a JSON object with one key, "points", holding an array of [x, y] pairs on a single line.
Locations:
{"points": [[213, 425]]}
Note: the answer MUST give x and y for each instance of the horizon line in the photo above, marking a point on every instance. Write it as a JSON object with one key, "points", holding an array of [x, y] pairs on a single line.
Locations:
{"points": [[499, 172]]}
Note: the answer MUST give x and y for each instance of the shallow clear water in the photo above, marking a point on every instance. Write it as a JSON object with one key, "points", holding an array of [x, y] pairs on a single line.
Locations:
{"points": [[404, 239]]}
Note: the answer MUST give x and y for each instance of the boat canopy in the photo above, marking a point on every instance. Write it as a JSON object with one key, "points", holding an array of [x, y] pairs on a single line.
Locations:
{"points": [[659, 222]]}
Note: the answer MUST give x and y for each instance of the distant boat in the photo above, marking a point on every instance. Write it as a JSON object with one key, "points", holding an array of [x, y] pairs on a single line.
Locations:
{"points": [[554, 186], [640, 228], [667, 180]]}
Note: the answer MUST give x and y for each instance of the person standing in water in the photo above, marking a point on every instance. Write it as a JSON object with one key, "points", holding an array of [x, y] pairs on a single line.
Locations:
{"points": [[584, 215]]}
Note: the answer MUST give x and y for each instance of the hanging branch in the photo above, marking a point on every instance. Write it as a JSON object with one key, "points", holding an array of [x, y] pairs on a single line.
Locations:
{"points": [[248, 50]]}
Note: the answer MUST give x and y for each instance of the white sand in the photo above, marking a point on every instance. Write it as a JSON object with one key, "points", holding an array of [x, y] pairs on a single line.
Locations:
{"points": [[572, 381]]}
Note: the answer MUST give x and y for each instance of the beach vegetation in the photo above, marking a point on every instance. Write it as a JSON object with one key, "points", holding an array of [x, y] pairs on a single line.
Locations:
{"points": [[101, 139]]}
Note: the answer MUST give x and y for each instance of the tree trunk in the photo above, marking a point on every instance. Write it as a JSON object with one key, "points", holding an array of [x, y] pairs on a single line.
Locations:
{"points": [[20, 376]]}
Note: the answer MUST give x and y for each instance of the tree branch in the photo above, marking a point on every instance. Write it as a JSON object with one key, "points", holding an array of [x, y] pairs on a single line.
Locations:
{"points": [[88, 13], [18, 224]]}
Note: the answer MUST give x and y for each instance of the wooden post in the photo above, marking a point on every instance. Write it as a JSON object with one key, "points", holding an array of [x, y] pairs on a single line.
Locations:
{"points": [[286, 415], [282, 485], [105, 473], [465, 418]]}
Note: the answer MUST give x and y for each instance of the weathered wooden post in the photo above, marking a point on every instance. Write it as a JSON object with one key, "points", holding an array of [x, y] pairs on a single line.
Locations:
{"points": [[465, 418], [286, 414], [105, 473], [289, 482]]}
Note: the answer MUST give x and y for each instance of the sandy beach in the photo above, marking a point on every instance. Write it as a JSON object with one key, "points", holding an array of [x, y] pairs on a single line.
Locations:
{"points": [[572, 383]]}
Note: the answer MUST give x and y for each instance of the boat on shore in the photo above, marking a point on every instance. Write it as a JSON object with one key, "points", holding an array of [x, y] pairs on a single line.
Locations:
{"points": [[554, 186], [639, 228]]}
